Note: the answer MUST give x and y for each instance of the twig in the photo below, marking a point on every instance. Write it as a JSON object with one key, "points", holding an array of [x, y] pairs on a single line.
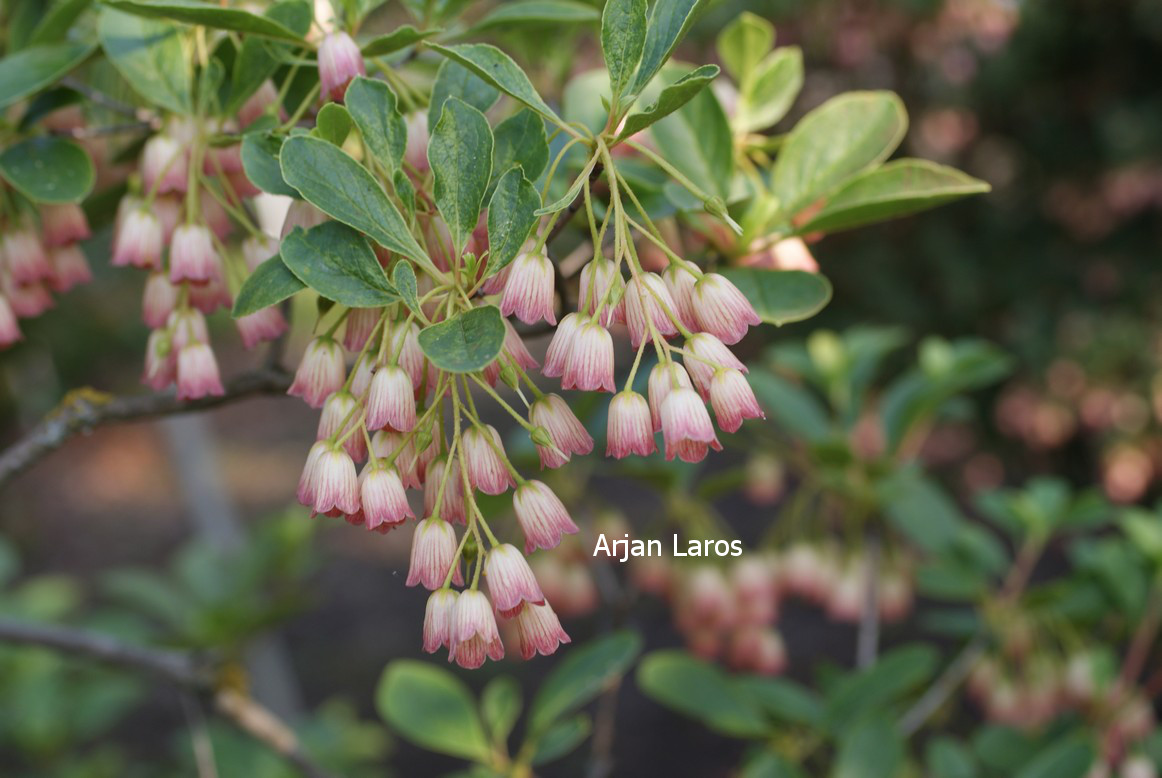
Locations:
{"points": [[105, 101], [942, 687], [85, 409], [571, 211], [868, 639], [190, 672], [200, 742]]}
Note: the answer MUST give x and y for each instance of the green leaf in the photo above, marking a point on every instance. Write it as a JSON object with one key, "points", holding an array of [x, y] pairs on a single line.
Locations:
{"points": [[332, 124], [623, 36], [403, 278], [791, 406], [669, 22], [34, 68], [743, 44], [465, 343], [498, 69], [538, 12], [767, 764], [766, 98], [54, 25], [561, 738], [151, 56], [372, 105], [581, 675], [702, 691], [671, 99], [574, 190], [207, 15], [520, 140], [343, 189], [872, 690], [396, 40], [696, 139], [430, 707], [949, 758], [919, 508], [841, 138], [1002, 748], [1067, 758], [269, 284], [336, 262], [500, 705], [455, 80], [783, 699], [870, 749], [257, 60], [48, 170], [405, 191], [898, 188], [460, 154], [781, 296], [512, 214], [260, 162]]}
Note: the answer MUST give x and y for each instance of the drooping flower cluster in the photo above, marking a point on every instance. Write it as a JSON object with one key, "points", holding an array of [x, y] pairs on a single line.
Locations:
{"points": [[39, 256], [176, 226]]}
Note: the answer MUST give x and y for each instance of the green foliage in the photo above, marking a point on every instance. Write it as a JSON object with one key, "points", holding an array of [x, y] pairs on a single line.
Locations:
{"points": [[373, 107], [37, 67], [269, 284], [208, 15], [430, 707], [465, 343], [336, 262], [782, 296], [152, 57], [48, 170], [460, 153], [511, 217]]}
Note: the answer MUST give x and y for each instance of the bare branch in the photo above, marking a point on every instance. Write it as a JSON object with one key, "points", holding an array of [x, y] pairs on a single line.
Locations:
{"points": [[571, 211], [868, 639], [85, 409], [943, 687], [190, 672]]}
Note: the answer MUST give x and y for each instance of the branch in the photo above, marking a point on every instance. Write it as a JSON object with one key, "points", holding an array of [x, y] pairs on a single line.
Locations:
{"points": [[187, 671], [84, 409], [943, 687], [868, 639], [571, 211]]}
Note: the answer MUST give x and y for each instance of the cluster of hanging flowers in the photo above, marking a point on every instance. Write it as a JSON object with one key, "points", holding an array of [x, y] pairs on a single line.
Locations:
{"points": [[392, 421], [178, 223], [40, 252]]}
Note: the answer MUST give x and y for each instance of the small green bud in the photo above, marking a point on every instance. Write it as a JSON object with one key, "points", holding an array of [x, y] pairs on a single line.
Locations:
{"points": [[541, 437]]}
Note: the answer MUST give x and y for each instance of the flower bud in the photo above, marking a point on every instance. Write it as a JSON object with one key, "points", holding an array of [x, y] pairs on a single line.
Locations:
{"points": [[686, 427], [602, 284], [722, 310], [706, 354], [359, 326], [433, 552], [646, 302], [139, 241], [334, 483], [192, 256], [541, 515], [680, 281], [340, 61], [69, 268], [321, 372], [160, 361], [25, 257], [589, 364], [474, 631], [451, 508], [164, 165], [63, 224], [539, 631], [197, 372], [261, 326], [256, 250], [391, 401], [9, 327], [438, 619], [733, 400], [567, 435], [630, 429], [301, 214], [416, 152], [529, 291], [663, 379], [561, 345], [385, 503], [510, 580], [486, 469]]}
